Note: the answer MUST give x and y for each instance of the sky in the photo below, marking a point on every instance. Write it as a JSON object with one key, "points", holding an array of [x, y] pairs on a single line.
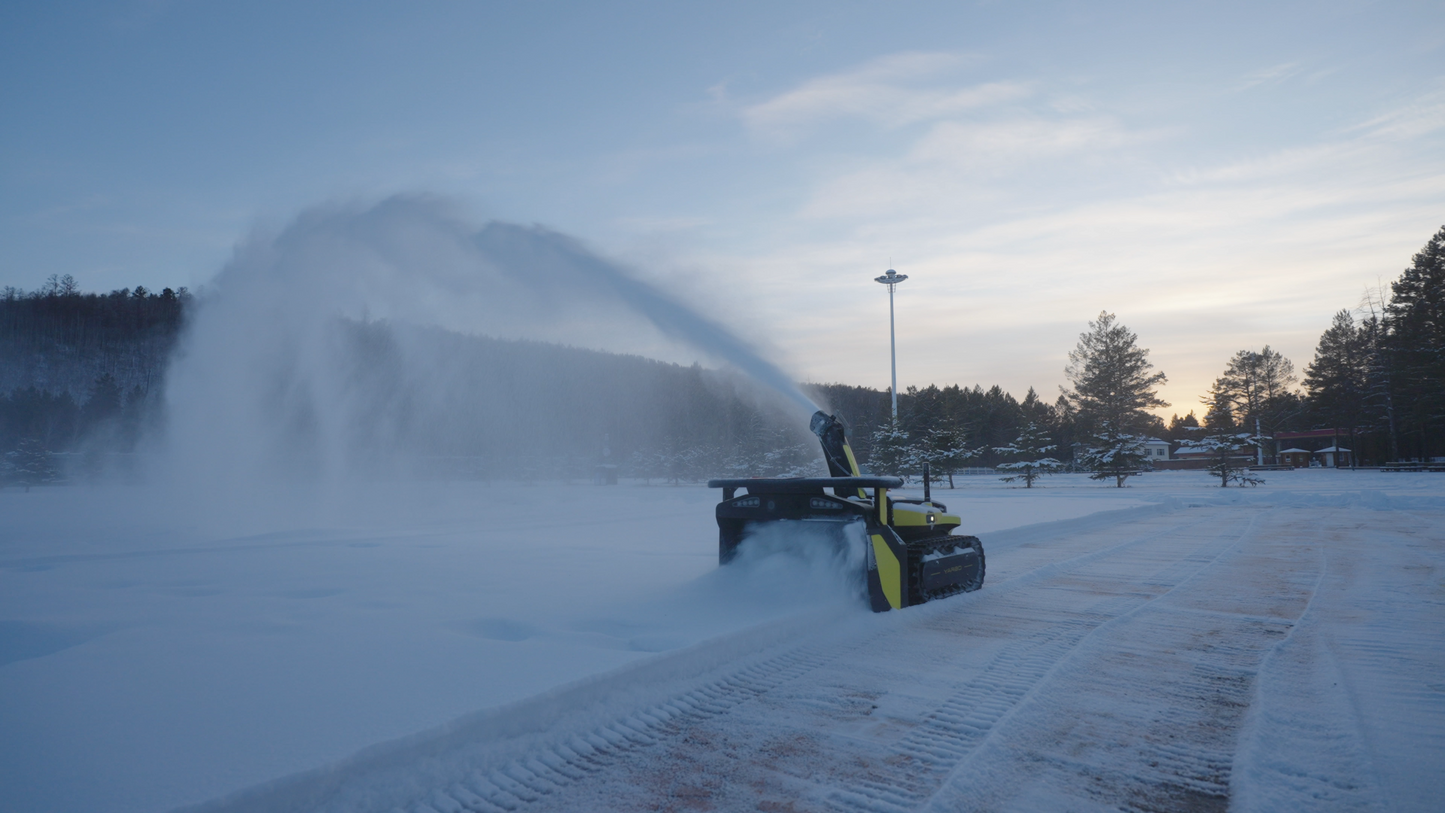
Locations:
{"points": [[1222, 176]]}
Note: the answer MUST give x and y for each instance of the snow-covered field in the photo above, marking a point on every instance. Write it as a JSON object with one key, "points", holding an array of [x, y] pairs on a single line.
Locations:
{"points": [[450, 646]]}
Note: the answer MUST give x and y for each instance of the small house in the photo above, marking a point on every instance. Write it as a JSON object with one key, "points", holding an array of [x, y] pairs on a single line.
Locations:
{"points": [[1304, 448], [1296, 458]]}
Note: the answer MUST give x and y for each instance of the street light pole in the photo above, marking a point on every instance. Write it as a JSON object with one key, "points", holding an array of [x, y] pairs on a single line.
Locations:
{"points": [[891, 279], [1259, 443]]}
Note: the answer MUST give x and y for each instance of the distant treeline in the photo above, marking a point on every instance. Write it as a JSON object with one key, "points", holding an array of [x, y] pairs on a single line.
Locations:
{"points": [[87, 371], [82, 372], [81, 367], [1378, 374], [1383, 376], [1378, 377]]}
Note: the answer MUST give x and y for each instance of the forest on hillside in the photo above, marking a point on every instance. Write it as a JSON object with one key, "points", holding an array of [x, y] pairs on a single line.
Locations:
{"points": [[82, 374]]}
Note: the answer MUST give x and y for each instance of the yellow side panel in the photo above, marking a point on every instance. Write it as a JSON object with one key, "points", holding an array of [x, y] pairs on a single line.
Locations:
{"points": [[904, 514], [907, 515], [890, 573], [853, 464]]}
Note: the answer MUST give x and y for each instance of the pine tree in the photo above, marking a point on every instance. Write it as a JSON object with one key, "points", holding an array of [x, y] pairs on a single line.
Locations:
{"points": [[1415, 328], [787, 457], [1113, 386], [1379, 379], [1035, 411], [946, 450], [892, 452], [750, 448], [104, 402], [1112, 452], [1066, 419], [1180, 428], [1337, 379], [1255, 387], [1029, 449]]}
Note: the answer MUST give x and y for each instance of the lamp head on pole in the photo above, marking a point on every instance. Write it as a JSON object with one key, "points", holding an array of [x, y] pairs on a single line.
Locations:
{"points": [[891, 278]]}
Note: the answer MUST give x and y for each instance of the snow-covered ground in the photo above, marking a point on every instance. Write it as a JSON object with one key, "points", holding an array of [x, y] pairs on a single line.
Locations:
{"points": [[449, 646]]}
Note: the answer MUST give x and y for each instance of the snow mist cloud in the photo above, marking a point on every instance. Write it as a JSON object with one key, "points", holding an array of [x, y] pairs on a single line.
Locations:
{"points": [[316, 353]]}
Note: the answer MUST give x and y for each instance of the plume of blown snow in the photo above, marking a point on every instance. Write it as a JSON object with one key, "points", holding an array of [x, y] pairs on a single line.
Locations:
{"points": [[292, 368]]}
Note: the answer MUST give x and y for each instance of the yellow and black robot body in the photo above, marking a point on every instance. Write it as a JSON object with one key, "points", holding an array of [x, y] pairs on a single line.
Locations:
{"points": [[912, 554]]}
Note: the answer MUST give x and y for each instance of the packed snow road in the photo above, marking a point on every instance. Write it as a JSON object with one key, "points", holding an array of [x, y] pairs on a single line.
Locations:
{"points": [[158, 650], [1259, 656]]}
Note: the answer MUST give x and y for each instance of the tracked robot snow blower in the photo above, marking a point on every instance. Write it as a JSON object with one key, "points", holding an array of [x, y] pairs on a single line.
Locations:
{"points": [[912, 556]]}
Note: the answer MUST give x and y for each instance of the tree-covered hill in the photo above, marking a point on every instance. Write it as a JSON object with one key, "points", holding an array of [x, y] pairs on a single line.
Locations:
{"points": [[60, 340]]}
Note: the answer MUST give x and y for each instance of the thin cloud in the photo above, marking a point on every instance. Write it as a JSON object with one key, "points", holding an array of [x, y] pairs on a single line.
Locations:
{"points": [[892, 91], [1422, 116], [90, 202], [1274, 164], [1363, 141], [964, 160], [1274, 73], [1026, 139]]}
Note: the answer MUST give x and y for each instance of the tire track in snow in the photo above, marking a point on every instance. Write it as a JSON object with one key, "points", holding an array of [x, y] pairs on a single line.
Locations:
{"points": [[482, 767], [1349, 714], [1146, 715], [524, 781], [967, 719], [708, 762], [874, 722], [421, 773], [1303, 747], [956, 727]]}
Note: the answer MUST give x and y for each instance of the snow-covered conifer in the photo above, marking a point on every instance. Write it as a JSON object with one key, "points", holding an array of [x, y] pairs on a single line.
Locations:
{"points": [[1112, 453], [1113, 388], [946, 449], [892, 451], [1029, 449], [1227, 448]]}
